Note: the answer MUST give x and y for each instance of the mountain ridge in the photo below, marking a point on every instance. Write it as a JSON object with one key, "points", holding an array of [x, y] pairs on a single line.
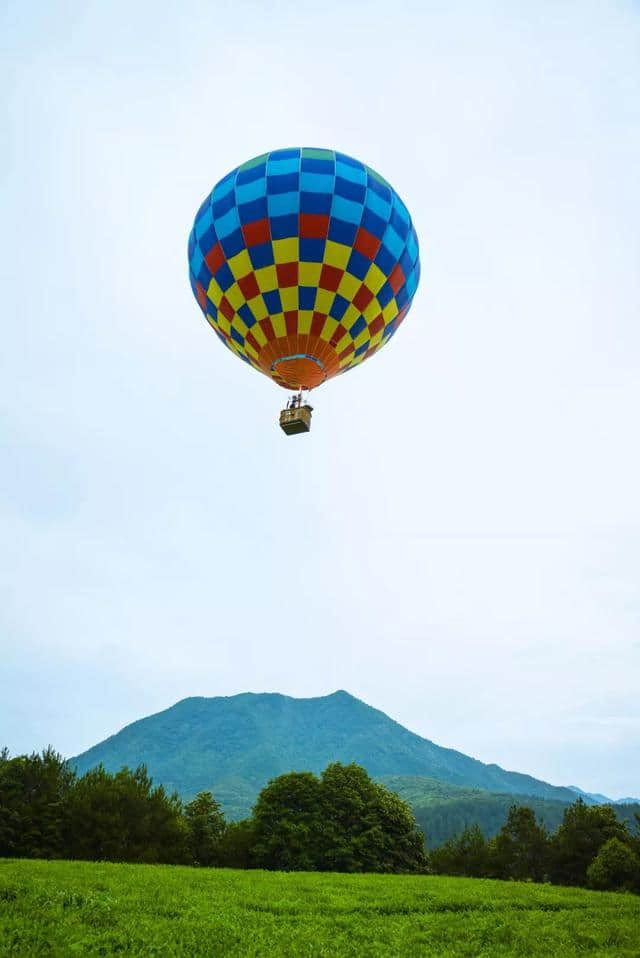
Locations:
{"points": [[599, 799]]}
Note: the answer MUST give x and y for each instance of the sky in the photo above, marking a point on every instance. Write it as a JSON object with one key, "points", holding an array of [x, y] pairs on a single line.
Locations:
{"points": [[457, 542]]}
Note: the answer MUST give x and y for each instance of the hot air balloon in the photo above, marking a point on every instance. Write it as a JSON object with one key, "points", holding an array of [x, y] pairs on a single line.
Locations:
{"points": [[304, 262]]}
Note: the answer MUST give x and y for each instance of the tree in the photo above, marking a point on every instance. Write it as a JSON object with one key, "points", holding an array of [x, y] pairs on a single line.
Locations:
{"points": [[236, 848], [520, 849], [403, 848], [583, 832], [473, 850], [348, 837], [615, 867], [121, 817], [206, 825], [366, 826], [33, 793], [341, 822], [467, 854], [287, 823], [635, 838]]}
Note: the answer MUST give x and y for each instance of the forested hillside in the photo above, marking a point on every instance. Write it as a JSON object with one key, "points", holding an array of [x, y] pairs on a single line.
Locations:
{"points": [[234, 746], [443, 811]]}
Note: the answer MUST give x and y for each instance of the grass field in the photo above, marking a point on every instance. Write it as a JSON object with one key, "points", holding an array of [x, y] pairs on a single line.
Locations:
{"points": [[77, 908]]}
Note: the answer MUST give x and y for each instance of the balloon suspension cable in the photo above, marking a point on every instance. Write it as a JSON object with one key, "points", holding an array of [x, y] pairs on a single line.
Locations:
{"points": [[303, 400], [297, 400]]}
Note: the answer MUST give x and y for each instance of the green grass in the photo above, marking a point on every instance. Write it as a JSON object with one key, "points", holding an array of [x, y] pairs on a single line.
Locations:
{"points": [[78, 908]]}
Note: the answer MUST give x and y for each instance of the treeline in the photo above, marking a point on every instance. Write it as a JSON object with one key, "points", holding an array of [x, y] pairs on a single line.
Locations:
{"points": [[338, 821], [445, 819], [591, 847]]}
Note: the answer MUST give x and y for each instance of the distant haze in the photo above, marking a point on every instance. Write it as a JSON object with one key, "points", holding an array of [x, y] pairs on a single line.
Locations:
{"points": [[458, 539]]}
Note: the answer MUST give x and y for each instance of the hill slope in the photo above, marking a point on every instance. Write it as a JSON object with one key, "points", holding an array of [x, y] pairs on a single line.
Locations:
{"points": [[443, 810], [234, 745]]}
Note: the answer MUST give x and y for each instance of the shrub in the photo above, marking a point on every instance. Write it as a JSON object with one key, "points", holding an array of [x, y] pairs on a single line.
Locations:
{"points": [[615, 867]]}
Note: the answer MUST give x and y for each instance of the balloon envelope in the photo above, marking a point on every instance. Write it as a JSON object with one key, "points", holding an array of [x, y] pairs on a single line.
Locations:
{"points": [[304, 262]]}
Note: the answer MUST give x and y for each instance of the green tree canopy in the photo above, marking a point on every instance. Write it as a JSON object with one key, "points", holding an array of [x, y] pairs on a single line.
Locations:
{"points": [[367, 827], [583, 832], [206, 825], [236, 845], [615, 867], [340, 822], [520, 849], [33, 793], [121, 817], [467, 854], [288, 823]]}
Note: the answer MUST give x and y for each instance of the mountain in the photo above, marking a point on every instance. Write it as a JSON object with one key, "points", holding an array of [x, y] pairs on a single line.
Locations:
{"points": [[234, 745], [591, 798], [595, 798]]}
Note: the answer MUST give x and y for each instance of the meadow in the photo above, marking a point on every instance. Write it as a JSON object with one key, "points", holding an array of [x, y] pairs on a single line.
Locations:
{"points": [[79, 908]]}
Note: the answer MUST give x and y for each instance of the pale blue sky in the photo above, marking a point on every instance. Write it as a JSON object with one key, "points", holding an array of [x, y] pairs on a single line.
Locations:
{"points": [[458, 540]]}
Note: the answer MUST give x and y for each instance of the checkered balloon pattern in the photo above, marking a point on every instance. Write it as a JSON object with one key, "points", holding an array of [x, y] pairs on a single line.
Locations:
{"points": [[304, 262]]}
